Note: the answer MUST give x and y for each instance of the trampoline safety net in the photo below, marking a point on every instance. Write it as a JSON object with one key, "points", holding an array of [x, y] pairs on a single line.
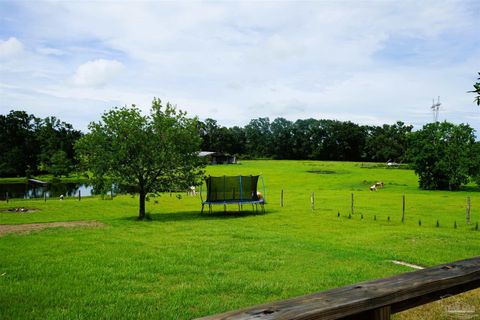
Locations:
{"points": [[232, 189]]}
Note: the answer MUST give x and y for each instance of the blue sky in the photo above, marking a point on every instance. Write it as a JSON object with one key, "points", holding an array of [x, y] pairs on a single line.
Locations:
{"points": [[370, 62]]}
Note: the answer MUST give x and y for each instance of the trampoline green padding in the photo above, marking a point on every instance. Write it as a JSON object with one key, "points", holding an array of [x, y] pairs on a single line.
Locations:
{"points": [[233, 190]]}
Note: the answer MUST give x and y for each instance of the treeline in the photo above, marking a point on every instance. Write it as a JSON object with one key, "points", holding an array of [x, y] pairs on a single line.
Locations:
{"points": [[443, 155], [308, 139], [30, 145]]}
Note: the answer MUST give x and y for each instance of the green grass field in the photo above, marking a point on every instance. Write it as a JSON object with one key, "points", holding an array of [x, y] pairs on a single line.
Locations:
{"points": [[181, 265]]}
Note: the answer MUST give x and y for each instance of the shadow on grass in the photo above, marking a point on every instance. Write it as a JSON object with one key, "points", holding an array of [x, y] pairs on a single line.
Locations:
{"points": [[196, 215]]}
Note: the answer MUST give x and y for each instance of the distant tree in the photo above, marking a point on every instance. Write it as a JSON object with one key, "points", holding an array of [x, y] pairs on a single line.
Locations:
{"points": [[476, 90], [388, 142], [59, 164], [258, 137], [307, 139], [210, 134], [343, 141], [239, 141], [18, 147], [53, 135], [281, 138], [221, 139], [475, 169], [443, 155], [153, 153]]}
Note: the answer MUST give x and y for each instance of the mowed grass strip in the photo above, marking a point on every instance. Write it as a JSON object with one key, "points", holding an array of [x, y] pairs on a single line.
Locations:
{"points": [[181, 265]]}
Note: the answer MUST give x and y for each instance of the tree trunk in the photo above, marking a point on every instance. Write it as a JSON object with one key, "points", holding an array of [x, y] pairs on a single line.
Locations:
{"points": [[141, 213]]}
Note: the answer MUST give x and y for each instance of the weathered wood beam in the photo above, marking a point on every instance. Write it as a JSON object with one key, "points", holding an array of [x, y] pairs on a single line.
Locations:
{"points": [[375, 299]]}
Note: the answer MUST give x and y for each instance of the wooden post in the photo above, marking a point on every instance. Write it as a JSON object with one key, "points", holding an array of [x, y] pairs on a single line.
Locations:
{"points": [[403, 208], [468, 210], [6, 196], [352, 209], [381, 313], [79, 195], [312, 200], [281, 199]]}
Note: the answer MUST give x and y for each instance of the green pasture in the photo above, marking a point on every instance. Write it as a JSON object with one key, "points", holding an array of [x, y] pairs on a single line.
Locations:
{"points": [[182, 265]]}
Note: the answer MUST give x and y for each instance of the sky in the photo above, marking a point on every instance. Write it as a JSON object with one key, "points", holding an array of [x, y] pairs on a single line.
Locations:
{"points": [[369, 62]]}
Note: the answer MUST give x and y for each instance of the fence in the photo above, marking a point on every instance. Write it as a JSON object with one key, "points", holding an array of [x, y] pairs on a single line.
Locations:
{"points": [[376, 299]]}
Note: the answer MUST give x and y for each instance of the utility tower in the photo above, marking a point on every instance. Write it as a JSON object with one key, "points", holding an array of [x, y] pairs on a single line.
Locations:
{"points": [[435, 108]]}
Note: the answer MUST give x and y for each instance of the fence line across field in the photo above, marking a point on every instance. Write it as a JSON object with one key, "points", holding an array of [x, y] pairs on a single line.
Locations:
{"points": [[403, 212]]}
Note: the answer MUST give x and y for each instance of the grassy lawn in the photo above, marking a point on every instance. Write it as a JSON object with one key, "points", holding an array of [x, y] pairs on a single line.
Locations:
{"points": [[181, 265]]}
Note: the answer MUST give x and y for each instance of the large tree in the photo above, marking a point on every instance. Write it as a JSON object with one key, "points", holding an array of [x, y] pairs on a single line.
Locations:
{"points": [[443, 155], [18, 145], [154, 153]]}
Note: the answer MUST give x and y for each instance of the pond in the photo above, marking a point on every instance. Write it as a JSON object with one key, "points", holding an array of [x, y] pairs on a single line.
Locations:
{"points": [[51, 190]]}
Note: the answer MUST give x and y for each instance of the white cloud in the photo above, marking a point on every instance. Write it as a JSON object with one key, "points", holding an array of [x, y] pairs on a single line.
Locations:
{"points": [[97, 73], [10, 48], [50, 51], [369, 62]]}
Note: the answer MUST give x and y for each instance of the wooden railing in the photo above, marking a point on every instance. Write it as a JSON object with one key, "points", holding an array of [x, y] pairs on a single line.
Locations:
{"points": [[376, 299]]}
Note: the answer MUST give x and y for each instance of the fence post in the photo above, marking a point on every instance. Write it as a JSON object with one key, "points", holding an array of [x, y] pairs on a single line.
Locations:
{"points": [[6, 196], [403, 208], [45, 196], [281, 199], [382, 313], [79, 195], [352, 209], [468, 210], [312, 200]]}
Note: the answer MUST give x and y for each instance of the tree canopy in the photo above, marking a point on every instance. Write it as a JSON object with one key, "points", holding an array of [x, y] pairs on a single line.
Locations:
{"points": [[443, 155], [388, 142], [154, 153], [30, 145]]}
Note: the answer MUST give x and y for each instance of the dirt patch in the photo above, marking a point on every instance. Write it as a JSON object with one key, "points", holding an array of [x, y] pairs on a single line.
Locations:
{"points": [[19, 210], [27, 228]]}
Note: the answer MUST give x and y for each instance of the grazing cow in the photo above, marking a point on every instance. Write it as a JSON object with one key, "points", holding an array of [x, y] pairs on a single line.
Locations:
{"points": [[373, 188]]}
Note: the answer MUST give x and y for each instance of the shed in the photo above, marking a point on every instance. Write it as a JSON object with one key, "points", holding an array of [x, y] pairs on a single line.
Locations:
{"points": [[217, 157]]}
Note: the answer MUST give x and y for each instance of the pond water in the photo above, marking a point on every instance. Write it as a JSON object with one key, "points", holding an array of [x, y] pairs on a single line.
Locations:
{"points": [[51, 190]]}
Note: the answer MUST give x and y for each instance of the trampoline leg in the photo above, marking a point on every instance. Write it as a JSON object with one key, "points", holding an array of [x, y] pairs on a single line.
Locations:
{"points": [[253, 208], [239, 208], [256, 207], [224, 208], [209, 208], [263, 208]]}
